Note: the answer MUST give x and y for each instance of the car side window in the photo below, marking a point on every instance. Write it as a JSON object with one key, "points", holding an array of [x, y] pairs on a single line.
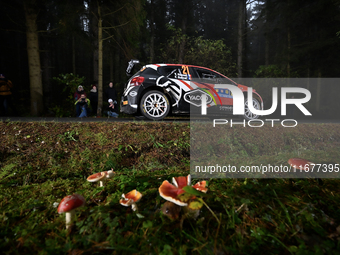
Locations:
{"points": [[176, 72], [208, 76]]}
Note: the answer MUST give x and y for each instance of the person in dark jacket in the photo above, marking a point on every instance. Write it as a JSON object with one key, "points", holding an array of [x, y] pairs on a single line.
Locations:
{"points": [[77, 95], [5, 96], [94, 99], [83, 104], [110, 92]]}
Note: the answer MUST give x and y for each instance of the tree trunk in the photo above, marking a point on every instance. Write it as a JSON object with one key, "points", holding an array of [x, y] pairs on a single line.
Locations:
{"points": [[152, 36], [73, 55], [318, 92], [181, 51], [266, 35], [183, 41], [266, 50], [288, 51], [111, 61], [117, 63], [94, 29], [36, 87], [100, 64], [288, 40], [46, 75], [240, 38]]}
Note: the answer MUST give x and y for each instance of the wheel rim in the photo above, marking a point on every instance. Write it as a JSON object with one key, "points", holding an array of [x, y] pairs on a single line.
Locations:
{"points": [[248, 114], [155, 105]]}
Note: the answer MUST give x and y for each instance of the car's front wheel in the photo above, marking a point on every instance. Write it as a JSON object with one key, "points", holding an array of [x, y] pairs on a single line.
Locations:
{"points": [[154, 105], [248, 115]]}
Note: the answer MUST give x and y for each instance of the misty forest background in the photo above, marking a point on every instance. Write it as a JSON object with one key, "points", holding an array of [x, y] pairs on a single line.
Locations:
{"points": [[91, 41]]}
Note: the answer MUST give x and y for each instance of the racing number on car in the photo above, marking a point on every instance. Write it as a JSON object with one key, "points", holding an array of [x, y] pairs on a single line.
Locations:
{"points": [[185, 70]]}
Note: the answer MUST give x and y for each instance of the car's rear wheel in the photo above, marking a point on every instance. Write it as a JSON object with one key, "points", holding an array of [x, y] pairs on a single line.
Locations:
{"points": [[154, 105], [248, 115]]}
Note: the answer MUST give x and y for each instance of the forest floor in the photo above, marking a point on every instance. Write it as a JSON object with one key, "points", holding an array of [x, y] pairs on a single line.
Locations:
{"points": [[42, 162]]}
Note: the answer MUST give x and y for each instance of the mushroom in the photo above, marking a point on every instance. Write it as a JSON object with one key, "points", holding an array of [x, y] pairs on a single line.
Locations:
{"points": [[303, 164], [110, 173], [170, 193], [181, 181], [201, 186], [177, 198], [130, 199], [171, 210], [68, 205], [101, 177], [299, 163]]}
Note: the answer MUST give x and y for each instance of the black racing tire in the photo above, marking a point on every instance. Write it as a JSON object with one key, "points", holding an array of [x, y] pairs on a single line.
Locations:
{"points": [[248, 115], [154, 105]]}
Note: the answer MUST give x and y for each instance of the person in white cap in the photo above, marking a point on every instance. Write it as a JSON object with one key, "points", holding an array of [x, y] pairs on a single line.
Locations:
{"points": [[111, 111]]}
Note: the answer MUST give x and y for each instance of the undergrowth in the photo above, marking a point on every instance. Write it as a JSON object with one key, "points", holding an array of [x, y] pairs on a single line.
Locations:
{"points": [[43, 162]]}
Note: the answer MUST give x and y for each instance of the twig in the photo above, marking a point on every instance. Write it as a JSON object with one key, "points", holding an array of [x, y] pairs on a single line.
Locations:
{"points": [[210, 210]]}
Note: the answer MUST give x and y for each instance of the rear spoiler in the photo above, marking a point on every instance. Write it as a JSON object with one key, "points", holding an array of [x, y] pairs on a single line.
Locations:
{"points": [[131, 65]]}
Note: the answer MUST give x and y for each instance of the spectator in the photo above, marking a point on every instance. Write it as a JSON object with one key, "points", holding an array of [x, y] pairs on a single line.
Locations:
{"points": [[5, 96], [110, 92], [112, 109], [77, 95], [94, 99], [83, 104]]}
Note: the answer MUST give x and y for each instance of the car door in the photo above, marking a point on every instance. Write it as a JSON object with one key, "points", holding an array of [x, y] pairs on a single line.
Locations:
{"points": [[209, 81], [176, 79]]}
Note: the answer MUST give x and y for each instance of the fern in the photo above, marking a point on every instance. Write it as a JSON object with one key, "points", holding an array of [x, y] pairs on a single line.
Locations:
{"points": [[7, 170]]}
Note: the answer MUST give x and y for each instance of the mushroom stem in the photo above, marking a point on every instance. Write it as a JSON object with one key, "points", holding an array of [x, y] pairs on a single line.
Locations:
{"points": [[101, 183], [69, 217], [110, 173], [134, 207], [68, 205]]}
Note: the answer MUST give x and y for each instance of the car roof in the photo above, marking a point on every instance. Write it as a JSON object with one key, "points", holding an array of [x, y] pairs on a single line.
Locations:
{"points": [[155, 67]]}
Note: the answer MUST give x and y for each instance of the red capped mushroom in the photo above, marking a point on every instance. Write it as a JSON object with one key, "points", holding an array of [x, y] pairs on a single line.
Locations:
{"points": [[101, 177], [299, 163], [303, 164], [68, 205], [176, 198], [181, 181], [170, 192], [201, 186], [130, 199]]}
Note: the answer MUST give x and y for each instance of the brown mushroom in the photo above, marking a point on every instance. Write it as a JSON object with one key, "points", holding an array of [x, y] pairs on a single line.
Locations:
{"points": [[171, 210]]}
